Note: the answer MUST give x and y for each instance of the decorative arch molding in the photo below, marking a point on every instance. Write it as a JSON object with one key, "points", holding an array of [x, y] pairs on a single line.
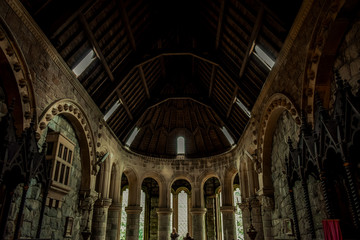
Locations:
{"points": [[75, 114], [275, 106], [21, 73], [207, 175], [318, 70]]}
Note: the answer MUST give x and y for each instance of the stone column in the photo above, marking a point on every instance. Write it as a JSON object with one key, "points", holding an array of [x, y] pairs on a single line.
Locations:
{"points": [[228, 217], [100, 216], [198, 223], [132, 222], [164, 228], [113, 222], [267, 205]]}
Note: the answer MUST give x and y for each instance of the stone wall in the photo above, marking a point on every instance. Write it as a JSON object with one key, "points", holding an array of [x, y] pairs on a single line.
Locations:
{"points": [[286, 128], [54, 219], [153, 218]]}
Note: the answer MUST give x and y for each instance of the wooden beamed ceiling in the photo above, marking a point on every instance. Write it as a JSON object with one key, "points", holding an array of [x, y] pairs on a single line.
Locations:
{"points": [[148, 51]]}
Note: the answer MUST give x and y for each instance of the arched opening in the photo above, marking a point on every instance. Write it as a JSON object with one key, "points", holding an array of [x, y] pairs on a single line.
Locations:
{"points": [[124, 204], [180, 203], [149, 202], [213, 202], [180, 145], [238, 214]]}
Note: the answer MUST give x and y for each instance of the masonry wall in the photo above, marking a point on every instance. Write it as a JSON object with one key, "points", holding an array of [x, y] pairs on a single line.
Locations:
{"points": [[54, 220]]}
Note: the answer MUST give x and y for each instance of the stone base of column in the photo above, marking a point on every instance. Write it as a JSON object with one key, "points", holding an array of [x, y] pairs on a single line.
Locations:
{"points": [[100, 216], [132, 222], [164, 229], [228, 218], [198, 223], [113, 222]]}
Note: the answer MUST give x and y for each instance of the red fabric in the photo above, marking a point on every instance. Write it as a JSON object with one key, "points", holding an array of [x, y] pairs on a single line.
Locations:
{"points": [[332, 229]]}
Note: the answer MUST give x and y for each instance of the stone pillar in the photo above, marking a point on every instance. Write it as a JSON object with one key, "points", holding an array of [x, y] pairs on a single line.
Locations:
{"points": [[228, 217], [100, 216], [210, 218], [198, 223], [113, 222], [267, 205], [132, 222], [164, 228]]}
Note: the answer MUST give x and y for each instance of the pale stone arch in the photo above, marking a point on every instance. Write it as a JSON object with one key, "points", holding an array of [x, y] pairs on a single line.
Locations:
{"points": [[228, 186], [20, 85], [134, 186], [329, 32], [275, 106], [76, 116], [201, 180], [182, 176], [163, 198]]}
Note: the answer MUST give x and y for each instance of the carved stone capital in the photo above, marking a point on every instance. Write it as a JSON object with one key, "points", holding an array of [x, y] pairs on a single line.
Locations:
{"points": [[266, 202]]}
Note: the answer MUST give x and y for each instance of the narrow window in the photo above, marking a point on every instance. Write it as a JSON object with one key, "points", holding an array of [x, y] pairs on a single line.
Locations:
{"points": [[132, 136], [142, 215], [227, 135], [180, 145], [238, 215], [182, 213], [242, 107], [263, 57], [112, 110], [84, 63], [124, 204]]}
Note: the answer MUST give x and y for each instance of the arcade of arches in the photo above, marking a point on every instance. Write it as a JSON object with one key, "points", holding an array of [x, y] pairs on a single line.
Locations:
{"points": [[159, 131]]}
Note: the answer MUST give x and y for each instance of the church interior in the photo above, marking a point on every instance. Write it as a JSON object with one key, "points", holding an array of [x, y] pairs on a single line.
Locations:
{"points": [[221, 119]]}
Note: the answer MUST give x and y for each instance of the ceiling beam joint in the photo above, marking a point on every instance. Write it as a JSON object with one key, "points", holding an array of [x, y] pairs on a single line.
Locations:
{"points": [[100, 55], [232, 101], [252, 40], [142, 75]]}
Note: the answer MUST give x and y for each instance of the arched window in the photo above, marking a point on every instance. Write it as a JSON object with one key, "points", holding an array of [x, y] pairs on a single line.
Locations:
{"points": [[124, 203], [182, 214], [180, 145], [238, 215], [142, 215]]}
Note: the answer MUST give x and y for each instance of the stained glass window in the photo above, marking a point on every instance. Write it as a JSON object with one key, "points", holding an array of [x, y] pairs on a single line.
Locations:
{"points": [[182, 214], [125, 196]]}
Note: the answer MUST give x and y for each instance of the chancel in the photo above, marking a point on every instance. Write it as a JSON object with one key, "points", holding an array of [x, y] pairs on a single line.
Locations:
{"points": [[214, 119]]}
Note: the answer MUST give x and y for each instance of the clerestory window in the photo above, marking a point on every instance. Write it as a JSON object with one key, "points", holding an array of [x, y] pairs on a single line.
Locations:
{"points": [[180, 145], [88, 58]]}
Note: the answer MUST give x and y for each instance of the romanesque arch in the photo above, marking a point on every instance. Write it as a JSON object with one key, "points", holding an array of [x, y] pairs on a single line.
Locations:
{"points": [[276, 105], [15, 71], [163, 193], [329, 32], [227, 187], [134, 193], [77, 117]]}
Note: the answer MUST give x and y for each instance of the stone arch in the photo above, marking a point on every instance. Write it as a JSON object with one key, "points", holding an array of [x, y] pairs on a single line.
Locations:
{"points": [[76, 116], [134, 186], [329, 32], [186, 177], [276, 105], [163, 198], [202, 179], [227, 187], [115, 182], [20, 88]]}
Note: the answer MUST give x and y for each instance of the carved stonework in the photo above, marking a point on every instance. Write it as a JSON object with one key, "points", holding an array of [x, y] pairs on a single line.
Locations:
{"points": [[267, 202]]}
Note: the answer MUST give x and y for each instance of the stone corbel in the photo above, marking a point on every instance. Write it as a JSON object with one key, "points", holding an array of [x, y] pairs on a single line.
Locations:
{"points": [[267, 202]]}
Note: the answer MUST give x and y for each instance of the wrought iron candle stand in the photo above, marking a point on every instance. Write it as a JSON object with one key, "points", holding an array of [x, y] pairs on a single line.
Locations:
{"points": [[251, 231]]}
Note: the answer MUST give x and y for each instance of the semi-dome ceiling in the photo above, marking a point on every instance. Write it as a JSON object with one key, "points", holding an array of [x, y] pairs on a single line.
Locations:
{"points": [[160, 126], [218, 52]]}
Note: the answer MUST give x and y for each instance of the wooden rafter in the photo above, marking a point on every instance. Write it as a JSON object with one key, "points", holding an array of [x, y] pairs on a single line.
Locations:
{"points": [[220, 23], [125, 18], [212, 79], [100, 55], [254, 35], [232, 101], [142, 75]]}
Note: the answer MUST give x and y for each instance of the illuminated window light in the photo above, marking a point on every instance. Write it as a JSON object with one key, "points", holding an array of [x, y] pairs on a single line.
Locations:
{"points": [[180, 145], [84, 63], [227, 135], [132, 136], [243, 108], [263, 57], [112, 110]]}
